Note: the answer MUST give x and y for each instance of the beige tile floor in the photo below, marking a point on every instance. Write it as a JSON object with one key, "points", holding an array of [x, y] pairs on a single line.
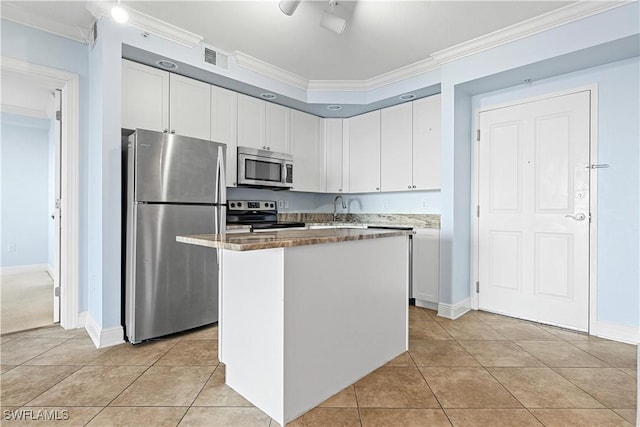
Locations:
{"points": [[480, 370]]}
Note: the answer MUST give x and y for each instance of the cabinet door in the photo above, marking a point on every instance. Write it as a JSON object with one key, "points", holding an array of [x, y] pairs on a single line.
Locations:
{"points": [[190, 107], [251, 122], [426, 143], [426, 264], [307, 142], [145, 97], [364, 152], [333, 155], [277, 125], [224, 120], [396, 141]]}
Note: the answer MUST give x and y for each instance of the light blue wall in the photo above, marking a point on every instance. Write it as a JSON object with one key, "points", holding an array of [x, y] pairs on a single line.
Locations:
{"points": [[24, 150], [579, 45], [39, 47], [618, 211], [403, 202]]}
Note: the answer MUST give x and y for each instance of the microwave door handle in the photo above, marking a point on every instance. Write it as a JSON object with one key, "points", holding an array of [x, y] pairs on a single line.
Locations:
{"points": [[284, 173]]}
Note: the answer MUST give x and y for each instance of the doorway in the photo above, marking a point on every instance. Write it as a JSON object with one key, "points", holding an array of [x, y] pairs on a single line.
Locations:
{"points": [[533, 220], [65, 208]]}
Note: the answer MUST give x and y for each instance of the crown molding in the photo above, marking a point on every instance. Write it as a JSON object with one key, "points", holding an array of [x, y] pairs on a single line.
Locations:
{"points": [[399, 74], [76, 33], [24, 111], [149, 24], [520, 30], [259, 66]]}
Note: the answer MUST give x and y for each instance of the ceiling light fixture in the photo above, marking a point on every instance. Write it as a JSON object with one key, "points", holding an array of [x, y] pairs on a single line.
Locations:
{"points": [[267, 95], [333, 22], [407, 97], [166, 64], [334, 107], [288, 6], [119, 13]]}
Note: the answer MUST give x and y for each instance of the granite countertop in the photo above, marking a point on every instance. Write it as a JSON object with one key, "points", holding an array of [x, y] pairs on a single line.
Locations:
{"points": [[346, 219], [285, 238]]}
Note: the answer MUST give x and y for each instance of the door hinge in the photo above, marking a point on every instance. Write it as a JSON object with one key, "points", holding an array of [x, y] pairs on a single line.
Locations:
{"points": [[477, 287], [58, 115], [56, 291], [478, 211], [478, 135]]}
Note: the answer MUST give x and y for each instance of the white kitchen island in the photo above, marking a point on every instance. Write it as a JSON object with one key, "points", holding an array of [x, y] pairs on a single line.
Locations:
{"points": [[305, 313]]}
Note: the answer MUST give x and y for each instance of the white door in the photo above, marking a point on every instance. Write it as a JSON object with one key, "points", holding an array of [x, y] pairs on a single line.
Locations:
{"points": [[56, 214], [363, 137], [534, 210], [396, 148]]}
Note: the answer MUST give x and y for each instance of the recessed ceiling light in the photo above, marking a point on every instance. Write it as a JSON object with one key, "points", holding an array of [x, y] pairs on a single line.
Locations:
{"points": [[407, 97], [267, 95], [334, 107], [167, 65]]}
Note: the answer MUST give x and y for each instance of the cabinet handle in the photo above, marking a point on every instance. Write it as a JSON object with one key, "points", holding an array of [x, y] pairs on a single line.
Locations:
{"points": [[409, 186], [173, 131], [269, 148], [414, 186], [166, 131], [340, 190], [377, 188]]}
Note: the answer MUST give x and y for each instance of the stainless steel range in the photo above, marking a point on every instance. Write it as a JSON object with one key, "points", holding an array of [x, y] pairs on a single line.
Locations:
{"points": [[259, 214]]}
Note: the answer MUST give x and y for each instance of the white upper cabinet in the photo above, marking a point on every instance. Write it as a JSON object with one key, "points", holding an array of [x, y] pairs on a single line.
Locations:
{"points": [[426, 143], [145, 97], [363, 136], [334, 165], [307, 142], [277, 128], [224, 120], [251, 122], [189, 107], [396, 148]]}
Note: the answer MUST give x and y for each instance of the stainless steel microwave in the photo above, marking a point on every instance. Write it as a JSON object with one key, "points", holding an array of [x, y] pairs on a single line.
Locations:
{"points": [[262, 168]]}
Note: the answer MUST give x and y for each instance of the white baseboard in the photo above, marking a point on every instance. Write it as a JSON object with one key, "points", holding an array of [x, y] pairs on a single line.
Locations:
{"points": [[454, 311], [18, 269], [103, 337], [617, 332], [50, 270], [427, 304], [82, 319]]}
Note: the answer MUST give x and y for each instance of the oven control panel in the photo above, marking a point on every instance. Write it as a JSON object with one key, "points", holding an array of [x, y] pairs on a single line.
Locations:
{"points": [[252, 205]]}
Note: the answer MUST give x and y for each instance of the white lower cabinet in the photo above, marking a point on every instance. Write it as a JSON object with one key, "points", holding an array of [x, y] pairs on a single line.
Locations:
{"points": [[426, 272]]}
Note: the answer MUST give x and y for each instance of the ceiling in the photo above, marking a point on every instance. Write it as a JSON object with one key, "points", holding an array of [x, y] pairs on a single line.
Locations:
{"points": [[381, 36]]}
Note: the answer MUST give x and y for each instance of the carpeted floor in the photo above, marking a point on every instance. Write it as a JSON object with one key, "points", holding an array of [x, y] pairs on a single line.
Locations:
{"points": [[26, 301]]}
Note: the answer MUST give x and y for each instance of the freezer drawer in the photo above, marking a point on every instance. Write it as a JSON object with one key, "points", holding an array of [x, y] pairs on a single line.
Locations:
{"points": [[170, 286]]}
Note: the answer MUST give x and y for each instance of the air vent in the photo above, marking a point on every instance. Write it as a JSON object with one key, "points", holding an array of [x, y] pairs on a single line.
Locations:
{"points": [[216, 58]]}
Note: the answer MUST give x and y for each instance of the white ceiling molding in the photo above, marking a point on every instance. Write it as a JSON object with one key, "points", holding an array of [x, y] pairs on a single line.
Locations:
{"points": [[11, 13], [25, 111], [270, 70], [402, 73], [149, 24], [547, 21]]}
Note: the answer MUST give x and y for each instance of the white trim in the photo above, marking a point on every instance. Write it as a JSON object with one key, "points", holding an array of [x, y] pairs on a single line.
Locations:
{"points": [[19, 269], [82, 319], [259, 66], [103, 337], [617, 332], [427, 304], [24, 111], [44, 23], [454, 311], [148, 24], [593, 200], [69, 268], [555, 18]]}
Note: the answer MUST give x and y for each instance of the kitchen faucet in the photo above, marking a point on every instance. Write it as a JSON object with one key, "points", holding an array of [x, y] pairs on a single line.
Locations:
{"points": [[344, 206]]}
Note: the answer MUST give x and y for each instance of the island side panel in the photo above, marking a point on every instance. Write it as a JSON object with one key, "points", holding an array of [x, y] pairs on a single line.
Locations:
{"points": [[346, 314], [251, 326]]}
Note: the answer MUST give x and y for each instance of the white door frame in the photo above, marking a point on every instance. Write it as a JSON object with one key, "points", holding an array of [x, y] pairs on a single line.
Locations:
{"points": [[69, 236], [593, 194]]}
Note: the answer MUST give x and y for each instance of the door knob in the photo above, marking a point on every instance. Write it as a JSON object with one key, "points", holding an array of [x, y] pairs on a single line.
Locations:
{"points": [[577, 217]]}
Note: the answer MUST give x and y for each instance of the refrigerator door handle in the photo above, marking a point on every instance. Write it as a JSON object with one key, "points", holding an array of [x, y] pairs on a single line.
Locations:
{"points": [[221, 187]]}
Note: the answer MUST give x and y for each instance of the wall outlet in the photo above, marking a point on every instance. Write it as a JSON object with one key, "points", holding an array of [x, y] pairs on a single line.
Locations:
{"points": [[424, 203], [280, 204], [286, 204], [11, 248], [386, 205]]}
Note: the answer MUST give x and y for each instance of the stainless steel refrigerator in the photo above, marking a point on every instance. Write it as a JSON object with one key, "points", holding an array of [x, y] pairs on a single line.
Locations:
{"points": [[175, 185]]}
